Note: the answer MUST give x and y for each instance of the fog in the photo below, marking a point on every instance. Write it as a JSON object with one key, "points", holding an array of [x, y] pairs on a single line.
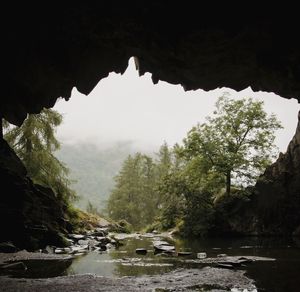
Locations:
{"points": [[132, 109]]}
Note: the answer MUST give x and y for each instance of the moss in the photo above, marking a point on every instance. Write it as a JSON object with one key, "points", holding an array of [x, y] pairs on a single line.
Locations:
{"points": [[81, 220], [156, 225], [121, 226]]}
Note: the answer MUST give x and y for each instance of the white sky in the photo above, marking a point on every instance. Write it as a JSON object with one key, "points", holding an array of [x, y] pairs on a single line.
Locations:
{"points": [[131, 108]]}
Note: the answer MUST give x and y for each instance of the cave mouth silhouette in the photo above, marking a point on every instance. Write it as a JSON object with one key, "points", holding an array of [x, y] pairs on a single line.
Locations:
{"points": [[50, 51]]}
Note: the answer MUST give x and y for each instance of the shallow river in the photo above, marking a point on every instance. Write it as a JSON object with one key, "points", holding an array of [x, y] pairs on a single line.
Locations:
{"points": [[283, 274]]}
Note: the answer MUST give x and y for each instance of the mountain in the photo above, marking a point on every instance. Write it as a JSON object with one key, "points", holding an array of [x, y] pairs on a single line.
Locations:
{"points": [[93, 170]]}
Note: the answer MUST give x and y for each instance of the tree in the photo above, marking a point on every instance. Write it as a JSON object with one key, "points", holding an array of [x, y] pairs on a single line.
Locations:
{"points": [[237, 142], [188, 189], [34, 142], [134, 197], [164, 160]]}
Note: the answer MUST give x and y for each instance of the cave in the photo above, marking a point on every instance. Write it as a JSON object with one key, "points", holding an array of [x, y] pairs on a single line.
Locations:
{"points": [[50, 49]]}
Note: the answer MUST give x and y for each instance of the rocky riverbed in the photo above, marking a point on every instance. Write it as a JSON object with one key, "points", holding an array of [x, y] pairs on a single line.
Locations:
{"points": [[132, 262]]}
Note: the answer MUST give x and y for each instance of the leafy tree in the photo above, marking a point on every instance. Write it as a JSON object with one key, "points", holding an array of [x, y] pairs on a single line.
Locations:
{"points": [[237, 142], [34, 142], [189, 191], [134, 197]]}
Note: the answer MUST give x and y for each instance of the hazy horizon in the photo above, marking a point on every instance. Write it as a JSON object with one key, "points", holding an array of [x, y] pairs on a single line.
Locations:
{"points": [[131, 109]]}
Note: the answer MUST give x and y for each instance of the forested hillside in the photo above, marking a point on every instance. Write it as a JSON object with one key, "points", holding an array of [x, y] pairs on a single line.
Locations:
{"points": [[92, 170]]}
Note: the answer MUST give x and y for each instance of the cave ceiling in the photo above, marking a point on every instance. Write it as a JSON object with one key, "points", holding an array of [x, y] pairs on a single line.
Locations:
{"points": [[49, 50]]}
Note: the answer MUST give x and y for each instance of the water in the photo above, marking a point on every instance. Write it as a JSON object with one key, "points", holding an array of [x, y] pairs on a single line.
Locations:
{"points": [[280, 275]]}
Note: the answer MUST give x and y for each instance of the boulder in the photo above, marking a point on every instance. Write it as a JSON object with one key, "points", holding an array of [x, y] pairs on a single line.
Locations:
{"points": [[163, 246]]}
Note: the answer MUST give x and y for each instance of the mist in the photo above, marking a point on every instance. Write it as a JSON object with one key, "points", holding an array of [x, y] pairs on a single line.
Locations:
{"points": [[132, 110]]}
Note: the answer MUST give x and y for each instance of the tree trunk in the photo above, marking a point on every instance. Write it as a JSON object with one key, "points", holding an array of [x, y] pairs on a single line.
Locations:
{"points": [[228, 182]]}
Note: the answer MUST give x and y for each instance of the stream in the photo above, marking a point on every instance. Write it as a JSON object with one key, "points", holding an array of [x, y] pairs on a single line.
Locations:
{"points": [[282, 273]]}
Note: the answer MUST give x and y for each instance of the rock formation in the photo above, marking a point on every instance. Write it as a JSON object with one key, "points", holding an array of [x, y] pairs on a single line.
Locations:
{"points": [[48, 50], [31, 216], [278, 192]]}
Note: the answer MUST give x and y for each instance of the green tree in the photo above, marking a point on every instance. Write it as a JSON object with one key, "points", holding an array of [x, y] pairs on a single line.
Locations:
{"points": [[164, 160], [163, 165], [188, 189], [237, 142], [34, 142], [134, 197]]}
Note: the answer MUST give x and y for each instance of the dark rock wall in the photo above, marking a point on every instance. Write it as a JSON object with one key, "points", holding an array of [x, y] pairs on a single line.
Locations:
{"points": [[278, 192], [30, 215]]}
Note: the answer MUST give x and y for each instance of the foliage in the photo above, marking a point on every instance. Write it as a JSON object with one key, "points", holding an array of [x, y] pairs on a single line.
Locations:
{"points": [[190, 199], [34, 142], [156, 225], [190, 187], [121, 226], [82, 221], [134, 198], [237, 142]]}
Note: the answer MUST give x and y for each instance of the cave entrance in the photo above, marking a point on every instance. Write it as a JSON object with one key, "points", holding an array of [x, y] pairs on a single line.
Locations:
{"points": [[126, 113]]}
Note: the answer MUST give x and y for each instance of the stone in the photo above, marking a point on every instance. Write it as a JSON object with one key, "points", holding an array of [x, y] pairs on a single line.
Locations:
{"points": [[225, 266], [201, 255], [103, 230], [83, 242], [7, 247], [141, 251], [77, 236], [109, 246], [79, 249], [184, 253], [163, 246], [102, 247], [78, 254]]}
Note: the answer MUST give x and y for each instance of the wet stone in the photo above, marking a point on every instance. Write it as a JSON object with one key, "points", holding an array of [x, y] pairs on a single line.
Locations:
{"points": [[201, 255], [184, 253], [77, 236], [141, 251], [83, 242]]}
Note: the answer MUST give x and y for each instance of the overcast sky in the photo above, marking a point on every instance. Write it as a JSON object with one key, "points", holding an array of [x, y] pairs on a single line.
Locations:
{"points": [[131, 108]]}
